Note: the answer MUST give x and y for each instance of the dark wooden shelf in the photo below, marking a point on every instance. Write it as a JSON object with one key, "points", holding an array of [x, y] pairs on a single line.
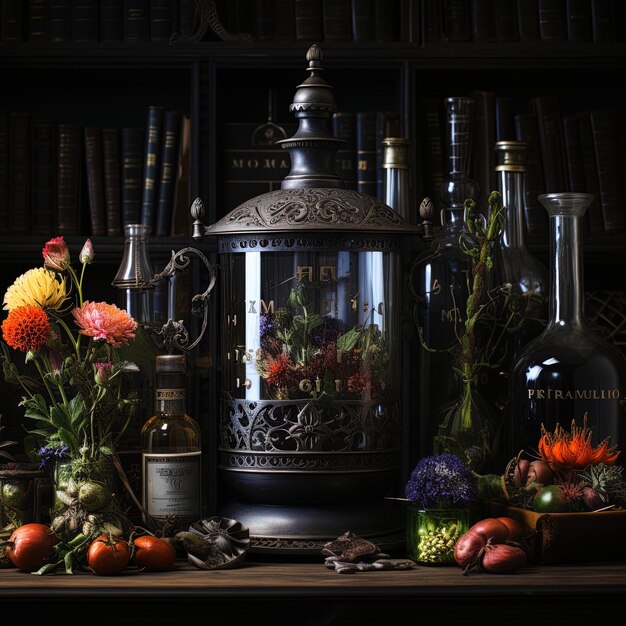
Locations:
{"points": [[310, 590], [540, 54]]}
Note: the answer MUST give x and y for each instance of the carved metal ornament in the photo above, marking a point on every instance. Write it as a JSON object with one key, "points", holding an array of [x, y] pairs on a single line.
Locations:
{"points": [[307, 426], [321, 210], [205, 17], [173, 335], [309, 242]]}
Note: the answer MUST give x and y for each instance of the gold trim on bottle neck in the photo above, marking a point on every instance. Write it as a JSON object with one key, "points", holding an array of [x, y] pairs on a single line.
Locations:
{"points": [[396, 153]]}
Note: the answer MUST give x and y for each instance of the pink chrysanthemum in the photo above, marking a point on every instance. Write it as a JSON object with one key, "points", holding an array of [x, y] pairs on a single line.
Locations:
{"points": [[106, 322]]}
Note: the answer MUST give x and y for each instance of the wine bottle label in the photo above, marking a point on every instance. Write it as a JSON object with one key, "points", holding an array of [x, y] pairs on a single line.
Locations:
{"points": [[171, 484], [171, 394], [573, 394]]}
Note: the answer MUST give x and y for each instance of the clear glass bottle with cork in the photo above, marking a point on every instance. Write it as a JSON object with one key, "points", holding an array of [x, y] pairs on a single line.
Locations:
{"points": [[171, 450]]}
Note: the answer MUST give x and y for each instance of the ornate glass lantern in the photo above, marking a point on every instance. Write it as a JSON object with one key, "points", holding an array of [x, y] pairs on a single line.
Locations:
{"points": [[310, 432]]}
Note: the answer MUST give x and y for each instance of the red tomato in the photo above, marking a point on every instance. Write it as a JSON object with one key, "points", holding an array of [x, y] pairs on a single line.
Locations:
{"points": [[491, 528], [153, 553], [31, 546], [108, 555]]}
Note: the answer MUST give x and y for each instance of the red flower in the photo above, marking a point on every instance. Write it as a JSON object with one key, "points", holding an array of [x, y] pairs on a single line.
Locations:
{"points": [[56, 254], [574, 450], [26, 328], [279, 370]]}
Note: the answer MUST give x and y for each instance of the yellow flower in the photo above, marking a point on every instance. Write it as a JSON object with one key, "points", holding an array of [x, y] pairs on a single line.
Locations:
{"points": [[37, 287]]}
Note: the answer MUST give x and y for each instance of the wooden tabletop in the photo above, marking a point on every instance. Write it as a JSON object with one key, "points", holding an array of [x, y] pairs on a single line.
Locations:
{"points": [[579, 593]]}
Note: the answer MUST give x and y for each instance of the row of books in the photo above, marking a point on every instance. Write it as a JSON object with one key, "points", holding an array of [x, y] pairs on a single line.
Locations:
{"points": [[87, 180], [521, 20], [580, 152], [253, 164], [91, 21], [316, 20]]}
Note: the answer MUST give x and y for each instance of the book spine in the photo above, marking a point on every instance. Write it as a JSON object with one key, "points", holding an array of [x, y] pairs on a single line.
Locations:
{"points": [[432, 153], [85, 15], [483, 21], [366, 152], [169, 164], [42, 177], [264, 12], [505, 127], [526, 129], [337, 18], [574, 155], [181, 216], [112, 183], [552, 20], [69, 179], [12, 21], [132, 170], [161, 20], [185, 16], [607, 144], [578, 14], [60, 15], [506, 20], [603, 19], [4, 168], [95, 179], [431, 21], [284, 20], [37, 20], [362, 20], [456, 20], [111, 25], [483, 138], [19, 183], [344, 128], [528, 20], [594, 221], [151, 165], [546, 109], [135, 20], [384, 18], [308, 16]]}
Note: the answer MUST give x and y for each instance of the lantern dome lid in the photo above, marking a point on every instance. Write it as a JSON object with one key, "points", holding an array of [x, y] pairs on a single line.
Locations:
{"points": [[312, 197], [313, 210]]}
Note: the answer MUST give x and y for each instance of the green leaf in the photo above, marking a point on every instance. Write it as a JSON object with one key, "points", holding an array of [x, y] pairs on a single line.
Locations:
{"points": [[58, 417], [69, 438], [348, 340], [68, 560], [77, 409]]}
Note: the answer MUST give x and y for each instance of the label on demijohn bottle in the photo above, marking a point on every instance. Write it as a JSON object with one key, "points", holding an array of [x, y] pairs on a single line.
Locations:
{"points": [[172, 484]]}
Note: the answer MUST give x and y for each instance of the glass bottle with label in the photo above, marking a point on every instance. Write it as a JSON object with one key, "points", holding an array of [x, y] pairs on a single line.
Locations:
{"points": [[441, 276], [568, 372], [171, 450]]}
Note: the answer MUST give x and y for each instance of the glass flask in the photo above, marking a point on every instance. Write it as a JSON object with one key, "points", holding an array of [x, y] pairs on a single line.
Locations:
{"points": [[568, 373]]}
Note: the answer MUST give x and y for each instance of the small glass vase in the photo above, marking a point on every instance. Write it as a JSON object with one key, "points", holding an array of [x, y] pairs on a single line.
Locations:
{"points": [[432, 533], [87, 498], [19, 486]]}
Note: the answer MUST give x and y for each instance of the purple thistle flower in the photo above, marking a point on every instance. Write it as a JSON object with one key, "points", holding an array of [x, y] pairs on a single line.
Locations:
{"points": [[441, 481]]}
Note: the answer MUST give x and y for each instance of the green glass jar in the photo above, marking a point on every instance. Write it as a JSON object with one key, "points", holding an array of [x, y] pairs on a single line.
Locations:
{"points": [[432, 533]]}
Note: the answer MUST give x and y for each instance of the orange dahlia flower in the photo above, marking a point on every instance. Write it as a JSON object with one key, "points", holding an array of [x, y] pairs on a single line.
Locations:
{"points": [[26, 328], [574, 450], [106, 322]]}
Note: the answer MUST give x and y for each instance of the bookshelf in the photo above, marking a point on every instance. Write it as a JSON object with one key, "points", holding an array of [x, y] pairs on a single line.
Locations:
{"points": [[218, 82]]}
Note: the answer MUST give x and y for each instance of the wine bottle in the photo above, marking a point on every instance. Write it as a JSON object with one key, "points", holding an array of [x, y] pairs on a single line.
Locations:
{"points": [[171, 453], [568, 373], [521, 277]]}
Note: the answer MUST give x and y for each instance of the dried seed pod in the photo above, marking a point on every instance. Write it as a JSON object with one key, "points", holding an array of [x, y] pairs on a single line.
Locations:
{"points": [[223, 543]]}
